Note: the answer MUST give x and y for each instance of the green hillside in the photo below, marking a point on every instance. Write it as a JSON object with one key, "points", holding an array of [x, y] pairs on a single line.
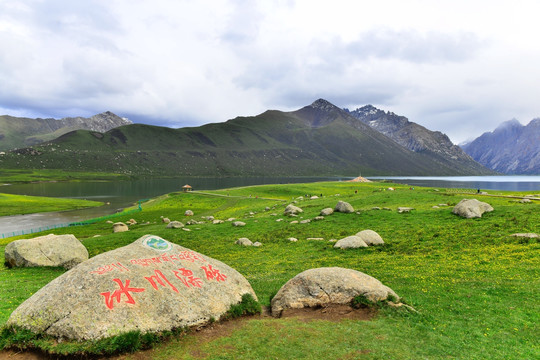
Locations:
{"points": [[310, 141]]}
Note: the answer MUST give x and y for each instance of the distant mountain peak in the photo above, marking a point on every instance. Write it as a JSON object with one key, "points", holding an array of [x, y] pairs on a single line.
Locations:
{"points": [[508, 124], [323, 104]]}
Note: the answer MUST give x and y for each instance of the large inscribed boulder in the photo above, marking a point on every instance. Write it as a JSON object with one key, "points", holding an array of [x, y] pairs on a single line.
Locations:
{"points": [[471, 208], [48, 250], [324, 286], [150, 285]]}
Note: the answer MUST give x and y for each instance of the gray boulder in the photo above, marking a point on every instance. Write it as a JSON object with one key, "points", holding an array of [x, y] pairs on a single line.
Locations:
{"points": [[166, 220], [244, 242], [344, 207], [175, 225], [525, 201], [257, 244], [526, 235], [370, 237], [239, 223], [324, 286], [216, 221], [150, 285], [350, 242], [404, 209], [292, 210], [471, 208], [188, 213], [120, 227], [48, 250], [327, 211]]}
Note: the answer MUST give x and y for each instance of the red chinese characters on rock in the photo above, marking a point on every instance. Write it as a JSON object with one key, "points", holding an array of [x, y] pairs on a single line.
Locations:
{"points": [[106, 268], [187, 278], [190, 256], [212, 273], [159, 278], [117, 294], [157, 281]]}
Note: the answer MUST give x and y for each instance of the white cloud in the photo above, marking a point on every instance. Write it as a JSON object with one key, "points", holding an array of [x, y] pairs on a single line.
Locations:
{"points": [[460, 67]]}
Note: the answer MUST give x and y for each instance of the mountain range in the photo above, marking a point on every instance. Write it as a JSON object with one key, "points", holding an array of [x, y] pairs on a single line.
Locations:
{"points": [[318, 139], [17, 132], [511, 148]]}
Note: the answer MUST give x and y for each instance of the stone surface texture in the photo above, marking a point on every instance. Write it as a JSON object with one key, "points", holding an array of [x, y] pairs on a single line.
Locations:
{"points": [[292, 210], [344, 207], [471, 208], [49, 250], [350, 242], [150, 285], [120, 227], [370, 237], [324, 286]]}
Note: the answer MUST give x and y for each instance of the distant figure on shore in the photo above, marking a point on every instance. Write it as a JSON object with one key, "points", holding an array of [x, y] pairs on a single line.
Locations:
{"points": [[478, 191]]}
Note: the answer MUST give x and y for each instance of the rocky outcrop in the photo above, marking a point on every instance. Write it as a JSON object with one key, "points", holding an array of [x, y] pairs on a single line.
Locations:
{"points": [[325, 286], [350, 242], [292, 210], [48, 250], [151, 285]]}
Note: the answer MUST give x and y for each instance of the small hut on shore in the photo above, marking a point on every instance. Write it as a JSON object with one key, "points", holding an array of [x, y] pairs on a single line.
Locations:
{"points": [[187, 188]]}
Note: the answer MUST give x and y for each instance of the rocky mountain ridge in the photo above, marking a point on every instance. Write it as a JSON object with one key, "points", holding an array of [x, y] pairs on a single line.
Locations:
{"points": [[319, 139], [17, 132], [410, 135], [511, 148]]}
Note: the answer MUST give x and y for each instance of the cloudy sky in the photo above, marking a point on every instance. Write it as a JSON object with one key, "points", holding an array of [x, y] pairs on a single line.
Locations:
{"points": [[460, 67]]}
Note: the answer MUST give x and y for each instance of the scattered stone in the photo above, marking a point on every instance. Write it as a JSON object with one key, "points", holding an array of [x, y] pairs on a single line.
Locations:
{"points": [[306, 221], [291, 239], [186, 229], [216, 221], [230, 219], [108, 222], [257, 244], [267, 208], [523, 201], [314, 238], [404, 209], [471, 208], [188, 213], [96, 236], [318, 218], [48, 250], [435, 207], [194, 222], [273, 214], [327, 211], [278, 220], [344, 207], [292, 210], [324, 286], [120, 227], [210, 218], [526, 235], [370, 237], [239, 223], [314, 197], [333, 240], [375, 208], [294, 222], [175, 225], [390, 189], [166, 220], [244, 242], [350, 242], [131, 222], [96, 300]]}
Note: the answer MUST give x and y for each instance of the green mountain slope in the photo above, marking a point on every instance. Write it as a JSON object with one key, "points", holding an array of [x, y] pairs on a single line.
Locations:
{"points": [[319, 139], [16, 132]]}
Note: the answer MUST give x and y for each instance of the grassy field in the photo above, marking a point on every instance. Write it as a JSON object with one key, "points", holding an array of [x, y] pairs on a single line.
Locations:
{"points": [[32, 175], [21, 204], [475, 287]]}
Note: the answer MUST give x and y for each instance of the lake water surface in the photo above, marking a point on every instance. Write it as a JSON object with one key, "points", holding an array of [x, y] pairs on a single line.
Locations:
{"points": [[121, 194]]}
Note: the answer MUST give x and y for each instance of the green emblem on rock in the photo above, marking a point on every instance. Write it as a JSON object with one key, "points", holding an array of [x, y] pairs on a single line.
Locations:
{"points": [[157, 243]]}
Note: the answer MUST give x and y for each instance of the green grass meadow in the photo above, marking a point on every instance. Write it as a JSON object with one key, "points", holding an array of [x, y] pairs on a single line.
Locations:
{"points": [[476, 288]]}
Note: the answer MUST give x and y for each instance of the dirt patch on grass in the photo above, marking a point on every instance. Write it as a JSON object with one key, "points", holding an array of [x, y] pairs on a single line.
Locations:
{"points": [[218, 330], [330, 313]]}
